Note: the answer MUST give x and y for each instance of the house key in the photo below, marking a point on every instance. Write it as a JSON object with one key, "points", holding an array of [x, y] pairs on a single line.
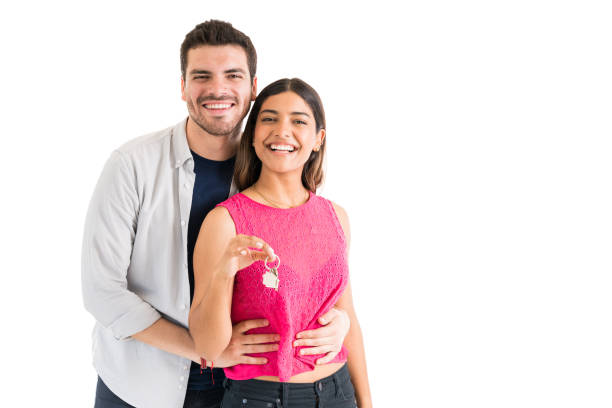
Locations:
{"points": [[270, 277]]}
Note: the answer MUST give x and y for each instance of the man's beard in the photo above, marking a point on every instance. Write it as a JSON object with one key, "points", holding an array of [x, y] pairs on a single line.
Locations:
{"points": [[214, 127]]}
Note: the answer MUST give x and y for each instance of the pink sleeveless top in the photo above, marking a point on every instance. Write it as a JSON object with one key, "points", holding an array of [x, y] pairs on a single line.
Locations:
{"points": [[313, 274]]}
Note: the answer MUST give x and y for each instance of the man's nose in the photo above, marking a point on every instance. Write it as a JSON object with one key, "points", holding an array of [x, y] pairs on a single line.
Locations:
{"points": [[218, 87]]}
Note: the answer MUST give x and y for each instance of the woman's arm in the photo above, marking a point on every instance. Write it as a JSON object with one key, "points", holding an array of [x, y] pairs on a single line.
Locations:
{"points": [[356, 352], [218, 255], [354, 340]]}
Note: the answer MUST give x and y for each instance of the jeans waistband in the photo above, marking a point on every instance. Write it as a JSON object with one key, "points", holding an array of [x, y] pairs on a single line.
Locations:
{"points": [[279, 390]]}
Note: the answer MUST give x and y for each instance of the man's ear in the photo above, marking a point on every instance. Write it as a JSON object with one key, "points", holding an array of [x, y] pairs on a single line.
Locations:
{"points": [[254, 89], [183, 89]]}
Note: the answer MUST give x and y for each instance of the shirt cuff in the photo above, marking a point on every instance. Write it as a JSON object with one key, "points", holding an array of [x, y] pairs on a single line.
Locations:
{"points": [[135, 321]]}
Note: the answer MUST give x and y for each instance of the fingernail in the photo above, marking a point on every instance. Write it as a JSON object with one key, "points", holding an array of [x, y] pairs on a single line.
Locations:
{"points": [[323, 321], [295, 344], [243, 252], [302, 352], [299, 335], [259, 245]]}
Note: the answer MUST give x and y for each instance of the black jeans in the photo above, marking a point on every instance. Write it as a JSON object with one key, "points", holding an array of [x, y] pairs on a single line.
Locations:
{"points": [[335, 391], [105, 398]]}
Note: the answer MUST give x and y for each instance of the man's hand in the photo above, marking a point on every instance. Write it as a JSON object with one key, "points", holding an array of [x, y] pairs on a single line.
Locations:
{"points": [[327, 339], [242, 343]]}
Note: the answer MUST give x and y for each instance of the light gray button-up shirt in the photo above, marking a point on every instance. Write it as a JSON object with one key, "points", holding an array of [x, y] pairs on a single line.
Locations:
{"points": [[134, 265]]}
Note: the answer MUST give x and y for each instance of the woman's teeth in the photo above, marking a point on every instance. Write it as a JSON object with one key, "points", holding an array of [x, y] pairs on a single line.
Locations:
{"points": [[285, 148]]}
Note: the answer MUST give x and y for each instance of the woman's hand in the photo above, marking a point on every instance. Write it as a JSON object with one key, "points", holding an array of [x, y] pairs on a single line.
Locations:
{"points": [[242, 251]]}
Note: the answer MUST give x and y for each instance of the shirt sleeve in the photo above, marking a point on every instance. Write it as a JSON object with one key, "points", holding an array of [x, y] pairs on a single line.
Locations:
{"points": [[110, 228]]}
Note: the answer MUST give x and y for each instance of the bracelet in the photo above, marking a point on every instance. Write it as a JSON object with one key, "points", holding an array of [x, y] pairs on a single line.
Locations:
{"points": [[203, 366]]}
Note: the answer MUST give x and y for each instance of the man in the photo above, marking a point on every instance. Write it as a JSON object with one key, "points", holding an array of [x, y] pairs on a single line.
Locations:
{"points": [[141, 228]]}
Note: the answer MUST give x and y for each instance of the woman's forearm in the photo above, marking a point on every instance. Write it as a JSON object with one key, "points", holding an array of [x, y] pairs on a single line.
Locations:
{"points": [[210, 321], [357, 364]]}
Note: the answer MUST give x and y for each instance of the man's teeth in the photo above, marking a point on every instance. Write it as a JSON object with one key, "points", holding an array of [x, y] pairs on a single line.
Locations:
{"points": [[282, 147], [217, 105]]}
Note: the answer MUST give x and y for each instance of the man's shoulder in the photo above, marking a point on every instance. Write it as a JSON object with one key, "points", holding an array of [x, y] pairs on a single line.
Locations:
{"points": [[148, 143]]}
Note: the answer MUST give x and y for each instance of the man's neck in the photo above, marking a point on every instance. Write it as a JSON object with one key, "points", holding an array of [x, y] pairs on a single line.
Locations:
{"points": [[212, 147]]}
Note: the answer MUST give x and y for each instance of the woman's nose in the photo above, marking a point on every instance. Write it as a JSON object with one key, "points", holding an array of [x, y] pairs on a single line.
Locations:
{"points": [[283, 129]]}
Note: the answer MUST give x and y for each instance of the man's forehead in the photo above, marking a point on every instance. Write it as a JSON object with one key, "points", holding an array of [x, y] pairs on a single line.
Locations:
{"points": [[216, 58]]}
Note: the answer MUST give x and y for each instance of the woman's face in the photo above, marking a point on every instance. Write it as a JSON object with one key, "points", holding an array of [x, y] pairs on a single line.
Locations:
{"points": [[285, 133]]}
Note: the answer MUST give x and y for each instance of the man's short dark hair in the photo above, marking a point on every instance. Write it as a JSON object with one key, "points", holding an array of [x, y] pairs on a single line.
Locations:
{"points": [[216, 32]]}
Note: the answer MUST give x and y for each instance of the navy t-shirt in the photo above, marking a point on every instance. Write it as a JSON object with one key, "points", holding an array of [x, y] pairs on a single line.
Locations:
{"points": [[212, 185]]}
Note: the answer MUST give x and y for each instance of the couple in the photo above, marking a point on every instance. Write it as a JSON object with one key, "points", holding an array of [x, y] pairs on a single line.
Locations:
{"points": [[262, 285]]}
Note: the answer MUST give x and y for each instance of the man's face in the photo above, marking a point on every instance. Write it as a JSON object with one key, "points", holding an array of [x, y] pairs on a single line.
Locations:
{"points": [[217, 88]]}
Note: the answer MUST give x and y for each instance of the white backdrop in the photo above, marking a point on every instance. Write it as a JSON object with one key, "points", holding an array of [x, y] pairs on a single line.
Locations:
{"points": [[469, 142]]}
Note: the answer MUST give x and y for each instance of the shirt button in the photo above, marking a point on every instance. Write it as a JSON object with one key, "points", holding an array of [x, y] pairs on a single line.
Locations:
{"points": [[180, 387], [185, 368], [183, 223], [186, 185], [183, 307], [182, 378]]}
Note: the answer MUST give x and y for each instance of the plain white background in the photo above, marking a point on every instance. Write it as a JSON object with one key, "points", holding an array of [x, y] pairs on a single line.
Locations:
{"points": [[469, 142]]}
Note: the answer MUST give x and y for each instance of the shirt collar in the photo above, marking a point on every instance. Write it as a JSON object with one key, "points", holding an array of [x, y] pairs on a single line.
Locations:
{"points": [[180, 147]]}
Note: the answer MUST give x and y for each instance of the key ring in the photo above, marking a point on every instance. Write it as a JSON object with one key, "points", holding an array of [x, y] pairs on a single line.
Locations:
{"points": [[275, 267]]}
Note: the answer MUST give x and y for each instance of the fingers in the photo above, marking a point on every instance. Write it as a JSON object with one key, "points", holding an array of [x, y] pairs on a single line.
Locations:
{"points": [[253, 360], [260, 338], [242, 244], [318, 350], [318, 341], [315, 333], [247, 325], [260, 348], [328, 317], [328, 357]]}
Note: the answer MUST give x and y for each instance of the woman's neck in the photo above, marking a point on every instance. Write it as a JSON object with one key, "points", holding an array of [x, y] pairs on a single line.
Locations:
{"points": [[283, 191]]}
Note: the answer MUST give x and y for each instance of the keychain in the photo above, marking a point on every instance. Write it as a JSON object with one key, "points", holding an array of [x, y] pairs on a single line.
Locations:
{"points": [[270, 277]]}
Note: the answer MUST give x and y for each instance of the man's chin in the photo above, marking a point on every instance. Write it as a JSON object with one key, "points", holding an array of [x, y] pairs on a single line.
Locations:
{"points": [[217, 129]]}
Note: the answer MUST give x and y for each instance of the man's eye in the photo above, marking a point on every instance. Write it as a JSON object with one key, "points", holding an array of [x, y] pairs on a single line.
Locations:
{"points": [[235, 76], [200, 77]]}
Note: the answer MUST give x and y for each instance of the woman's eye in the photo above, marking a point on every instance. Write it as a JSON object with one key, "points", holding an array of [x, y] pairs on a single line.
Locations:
{"points": [[300, 122], [267, 119]]}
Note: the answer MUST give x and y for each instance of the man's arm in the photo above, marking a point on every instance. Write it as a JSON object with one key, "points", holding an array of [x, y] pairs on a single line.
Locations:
{"points": [[110, 229]]}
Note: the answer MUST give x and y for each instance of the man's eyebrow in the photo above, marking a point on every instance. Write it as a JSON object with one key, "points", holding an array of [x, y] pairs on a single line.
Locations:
{"points": [[227, 71], [232, 70], [199, 71]]}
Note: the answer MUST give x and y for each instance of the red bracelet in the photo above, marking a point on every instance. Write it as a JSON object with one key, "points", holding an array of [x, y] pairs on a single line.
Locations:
{"points": [[203, 366]]}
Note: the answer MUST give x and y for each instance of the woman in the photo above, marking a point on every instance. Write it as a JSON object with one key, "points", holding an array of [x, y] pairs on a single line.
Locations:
{"points": [[278, 251]]}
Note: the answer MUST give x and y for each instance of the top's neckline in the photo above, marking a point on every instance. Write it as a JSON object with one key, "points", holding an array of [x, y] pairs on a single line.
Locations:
{"points": [[310, 195]]}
